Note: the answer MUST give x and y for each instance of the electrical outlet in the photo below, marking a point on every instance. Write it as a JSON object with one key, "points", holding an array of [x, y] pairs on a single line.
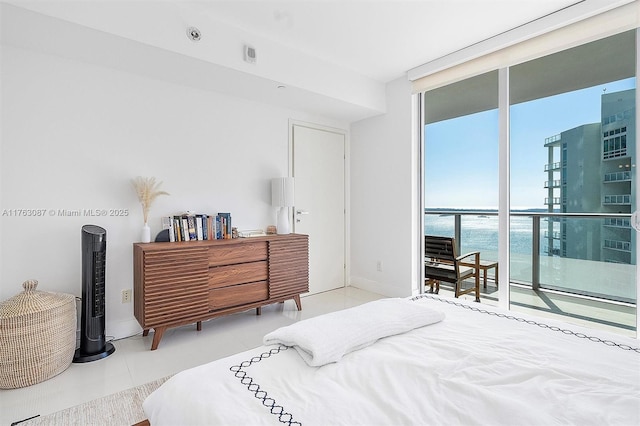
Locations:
{"points": [[379, 265], [126, 296]]}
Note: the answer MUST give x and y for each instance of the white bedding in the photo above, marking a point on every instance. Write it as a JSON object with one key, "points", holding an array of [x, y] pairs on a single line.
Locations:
{"points": [[477, 366]]}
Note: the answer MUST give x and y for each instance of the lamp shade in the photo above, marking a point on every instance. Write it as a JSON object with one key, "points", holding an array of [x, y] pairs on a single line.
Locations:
{"points": [[282, 190]]}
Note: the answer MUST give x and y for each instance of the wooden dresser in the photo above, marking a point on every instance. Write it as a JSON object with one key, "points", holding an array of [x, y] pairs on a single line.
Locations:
{"points": [[187, 282]]}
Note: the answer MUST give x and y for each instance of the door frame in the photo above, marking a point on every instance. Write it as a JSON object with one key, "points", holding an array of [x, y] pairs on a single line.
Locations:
{"points": [[347, 193]]}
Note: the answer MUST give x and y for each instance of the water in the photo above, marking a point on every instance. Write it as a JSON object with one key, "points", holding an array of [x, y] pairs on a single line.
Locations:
{"points": [[480, 233], [606, 280]]}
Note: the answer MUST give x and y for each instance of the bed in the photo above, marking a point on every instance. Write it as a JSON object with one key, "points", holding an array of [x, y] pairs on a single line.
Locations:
{"points": [[425, 360]]}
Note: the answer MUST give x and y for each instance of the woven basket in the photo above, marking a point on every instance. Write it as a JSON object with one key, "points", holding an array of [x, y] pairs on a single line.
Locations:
{"points": [[37, 336]]}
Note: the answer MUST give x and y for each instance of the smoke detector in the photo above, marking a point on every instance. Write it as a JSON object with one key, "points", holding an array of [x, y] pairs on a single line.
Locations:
{"points": [[194, 34]]}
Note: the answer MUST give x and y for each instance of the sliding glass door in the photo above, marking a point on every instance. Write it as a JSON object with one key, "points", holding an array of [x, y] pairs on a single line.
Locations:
{"points": [[572, 179], [572, 140]]}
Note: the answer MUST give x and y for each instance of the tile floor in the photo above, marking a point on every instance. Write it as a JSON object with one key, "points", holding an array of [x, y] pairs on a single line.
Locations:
{"points": [[133, 364]]}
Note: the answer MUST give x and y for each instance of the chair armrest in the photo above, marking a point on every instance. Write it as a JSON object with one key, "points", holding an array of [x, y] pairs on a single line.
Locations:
{"points": [[473, 253]]}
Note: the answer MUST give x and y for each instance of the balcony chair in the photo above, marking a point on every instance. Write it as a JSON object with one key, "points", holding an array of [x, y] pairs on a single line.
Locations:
{"points": [[441, 263]]}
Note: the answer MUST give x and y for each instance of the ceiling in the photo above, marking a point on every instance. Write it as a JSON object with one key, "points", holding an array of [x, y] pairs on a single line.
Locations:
{"points": [[379, 39], [333, 57]]}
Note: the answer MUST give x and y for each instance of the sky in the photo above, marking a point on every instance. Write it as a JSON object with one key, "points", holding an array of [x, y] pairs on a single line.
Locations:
{"points": [[463, 152]]}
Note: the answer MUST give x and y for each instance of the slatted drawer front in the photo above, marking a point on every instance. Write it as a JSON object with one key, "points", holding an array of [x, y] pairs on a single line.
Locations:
{"points": [[288, 266], [222, 276], [237, 253], [237, 295], [175, 285]]}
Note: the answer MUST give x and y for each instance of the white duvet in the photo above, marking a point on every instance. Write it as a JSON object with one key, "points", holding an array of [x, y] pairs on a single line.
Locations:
{"points": [[474, 367]]}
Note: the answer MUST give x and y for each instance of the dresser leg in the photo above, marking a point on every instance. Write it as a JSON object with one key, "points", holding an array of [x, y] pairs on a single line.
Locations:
{"points": [[157, 335], [298, 303], [259, 310], [145, 332], [199, 326]]}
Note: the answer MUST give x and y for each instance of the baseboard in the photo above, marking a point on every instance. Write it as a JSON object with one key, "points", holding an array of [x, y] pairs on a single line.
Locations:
{"points": [[378, 287], [123, 329]]}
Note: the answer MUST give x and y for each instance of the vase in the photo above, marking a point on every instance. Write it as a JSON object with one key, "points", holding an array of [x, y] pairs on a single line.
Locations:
{"points": [[146, 234]]}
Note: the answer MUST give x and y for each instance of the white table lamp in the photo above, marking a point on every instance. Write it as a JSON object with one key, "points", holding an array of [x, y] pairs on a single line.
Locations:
{"points": [[282, 190]]}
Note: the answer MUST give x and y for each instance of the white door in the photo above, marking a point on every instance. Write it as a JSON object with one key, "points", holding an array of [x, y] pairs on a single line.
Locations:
{"points": [[318, 169]]}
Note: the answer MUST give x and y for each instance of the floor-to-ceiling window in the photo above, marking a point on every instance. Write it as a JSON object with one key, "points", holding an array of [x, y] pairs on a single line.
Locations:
{"points": [[461, 165], [572, 178], [572, 139]]}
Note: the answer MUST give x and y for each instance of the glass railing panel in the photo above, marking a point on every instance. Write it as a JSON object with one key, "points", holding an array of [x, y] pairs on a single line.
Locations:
{"points": [[580, 256], [594, 260], [441, 225], [480, 233]]}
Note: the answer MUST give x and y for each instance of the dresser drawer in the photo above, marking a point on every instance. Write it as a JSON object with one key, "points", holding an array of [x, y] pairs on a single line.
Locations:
{"points": [[223, 276], [237, 253], [237, 295]]}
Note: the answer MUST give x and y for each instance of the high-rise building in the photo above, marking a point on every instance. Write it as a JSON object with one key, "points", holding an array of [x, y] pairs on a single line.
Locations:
{"points": [[591, 169]]}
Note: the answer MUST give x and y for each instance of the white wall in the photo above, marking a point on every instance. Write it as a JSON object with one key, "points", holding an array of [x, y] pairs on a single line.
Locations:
{"points": [[383, 197], [74, 134]]}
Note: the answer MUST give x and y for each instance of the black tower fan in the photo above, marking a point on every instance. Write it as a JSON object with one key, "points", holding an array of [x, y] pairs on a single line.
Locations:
{"points": [[93, 345]]}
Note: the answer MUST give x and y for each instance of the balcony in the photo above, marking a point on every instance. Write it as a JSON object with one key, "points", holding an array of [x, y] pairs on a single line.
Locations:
{"points": [[617, 200], [624, 246], [617, 177], [553, 235], [552, 201], [617, 223], [552, 140], [553, 183], [597, 293], [552, 166]]}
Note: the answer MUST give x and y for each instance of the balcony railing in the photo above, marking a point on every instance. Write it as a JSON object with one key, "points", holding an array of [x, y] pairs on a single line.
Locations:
{"points": [[551, 201], [552, 140], [617, 177], [618, 200], [615, 222], [554, 234], [552, 183], [593, 264], [552, 166]]}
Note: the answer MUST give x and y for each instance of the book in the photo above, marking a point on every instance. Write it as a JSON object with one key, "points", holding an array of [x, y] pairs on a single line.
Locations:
{"points": [[198, 225], [167, 223], [226, 225], [191, 227], [185, 229], [205, 227]]}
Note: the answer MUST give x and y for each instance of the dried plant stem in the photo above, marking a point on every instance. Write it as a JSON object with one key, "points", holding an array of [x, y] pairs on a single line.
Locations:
{"points": [[147, 190]]}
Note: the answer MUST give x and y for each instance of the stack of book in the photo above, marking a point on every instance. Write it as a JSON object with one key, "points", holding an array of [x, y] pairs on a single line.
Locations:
{"points": [[198, 227]]}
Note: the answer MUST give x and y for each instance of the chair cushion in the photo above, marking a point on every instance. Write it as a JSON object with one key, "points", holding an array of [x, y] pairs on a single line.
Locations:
{"points": [[440, 271], [446, 272]]}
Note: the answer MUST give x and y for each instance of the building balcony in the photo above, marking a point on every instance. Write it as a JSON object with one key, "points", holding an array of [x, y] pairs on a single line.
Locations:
{"points": [[624, 246], [552, 201], [553, 183], [556, 235], [617, 223], [617, 200], [552, 140], [552, 166], [617, 177]]}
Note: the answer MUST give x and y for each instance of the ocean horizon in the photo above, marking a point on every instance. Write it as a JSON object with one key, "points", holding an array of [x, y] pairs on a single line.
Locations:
{"points": [[480, 232]]}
